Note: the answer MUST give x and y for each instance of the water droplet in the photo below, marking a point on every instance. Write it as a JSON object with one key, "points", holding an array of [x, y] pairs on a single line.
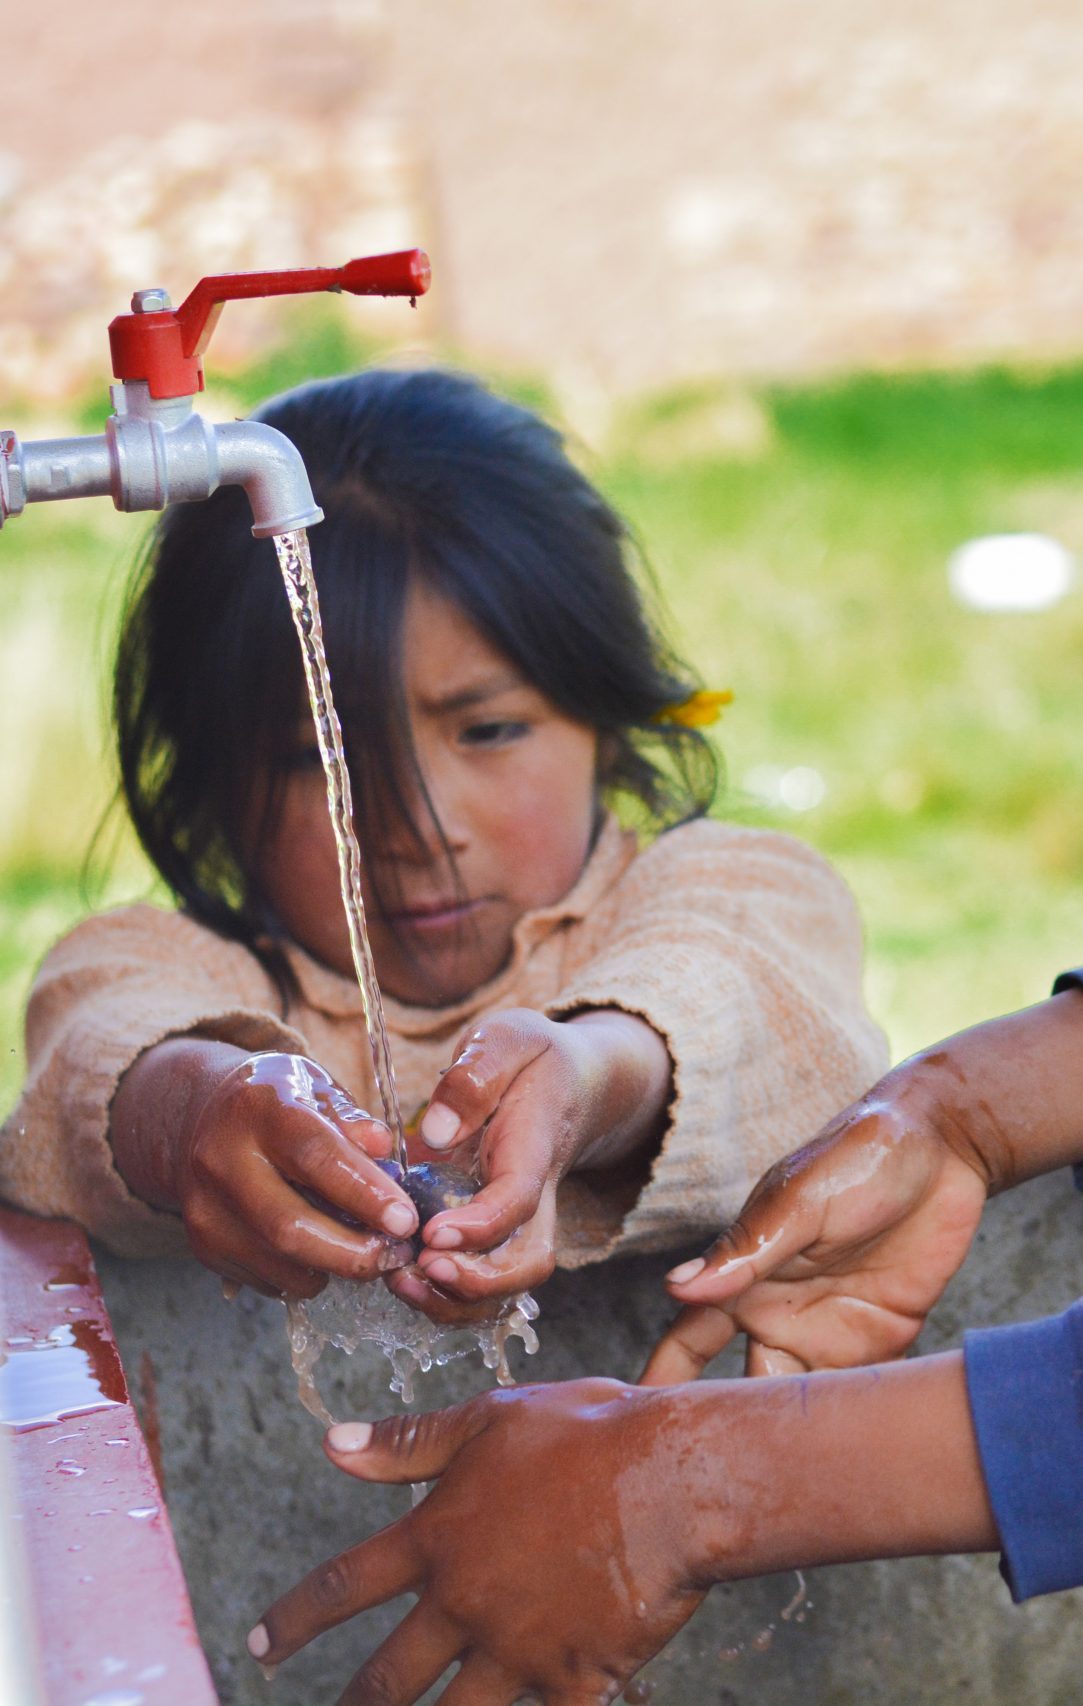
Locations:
{"points": [[142, 1512]]}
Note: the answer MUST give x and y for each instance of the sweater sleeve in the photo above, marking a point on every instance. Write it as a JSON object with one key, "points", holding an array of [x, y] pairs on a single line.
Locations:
{"points": [[111, 989], [743, 949], [1025, 1384]]}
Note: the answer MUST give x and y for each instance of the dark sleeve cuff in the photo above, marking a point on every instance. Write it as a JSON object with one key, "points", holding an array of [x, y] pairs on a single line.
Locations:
{"points": [[1026, 1394], [1071, 980]]}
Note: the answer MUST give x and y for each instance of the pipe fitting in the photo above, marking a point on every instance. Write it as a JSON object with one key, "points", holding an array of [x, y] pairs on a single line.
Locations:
{"points": [[269, 467]]}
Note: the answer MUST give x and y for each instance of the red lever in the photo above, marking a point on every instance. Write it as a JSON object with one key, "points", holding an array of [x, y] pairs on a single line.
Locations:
{"points": [[166, 347]]}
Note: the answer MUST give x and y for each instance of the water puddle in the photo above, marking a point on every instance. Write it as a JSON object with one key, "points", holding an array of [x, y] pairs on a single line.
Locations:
{"points": [[73, 1371]]}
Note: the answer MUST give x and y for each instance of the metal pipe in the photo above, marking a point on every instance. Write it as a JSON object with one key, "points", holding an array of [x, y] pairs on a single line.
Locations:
{"points": [[55, 468]]}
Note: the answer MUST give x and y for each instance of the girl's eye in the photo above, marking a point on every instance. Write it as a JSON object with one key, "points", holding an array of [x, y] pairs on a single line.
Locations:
{"points": [[492, 734]]}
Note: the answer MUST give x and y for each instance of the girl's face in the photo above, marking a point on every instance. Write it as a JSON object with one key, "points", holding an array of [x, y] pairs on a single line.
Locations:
{"points": [[513, 783]]}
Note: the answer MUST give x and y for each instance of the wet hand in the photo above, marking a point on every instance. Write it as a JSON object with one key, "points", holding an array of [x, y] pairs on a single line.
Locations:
{"points": [[530, 1099], [522, 1600], [841, 1249], [275, 1137]]}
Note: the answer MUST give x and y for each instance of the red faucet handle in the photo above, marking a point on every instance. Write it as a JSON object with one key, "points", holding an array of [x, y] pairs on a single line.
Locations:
{"points": [[166, 347]]}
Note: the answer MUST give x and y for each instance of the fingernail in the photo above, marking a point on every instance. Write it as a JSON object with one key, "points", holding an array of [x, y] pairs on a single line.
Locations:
{"points": [[399, 1219], [349, 1436], [445, 1238], [442, 1271], [440, 1125], [687, 1270], [259, 1642]]}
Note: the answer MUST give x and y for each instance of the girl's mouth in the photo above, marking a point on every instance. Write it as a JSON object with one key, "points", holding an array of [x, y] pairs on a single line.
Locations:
{"points": [[436, 916]]}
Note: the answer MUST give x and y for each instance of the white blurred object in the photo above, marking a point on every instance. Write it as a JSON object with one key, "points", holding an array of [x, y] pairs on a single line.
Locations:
{"points": [[1011, 571], [800, 788]]}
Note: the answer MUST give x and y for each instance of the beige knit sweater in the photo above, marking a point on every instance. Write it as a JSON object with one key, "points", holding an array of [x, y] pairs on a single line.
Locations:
{"points": [[741, 947]]}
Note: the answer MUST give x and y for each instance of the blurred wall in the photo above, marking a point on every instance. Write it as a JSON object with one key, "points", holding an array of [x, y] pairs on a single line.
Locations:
{"points": [[630, 191]]}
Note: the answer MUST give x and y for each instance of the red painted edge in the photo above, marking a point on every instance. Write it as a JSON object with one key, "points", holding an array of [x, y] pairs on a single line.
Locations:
{"points": [[112, 1617]]}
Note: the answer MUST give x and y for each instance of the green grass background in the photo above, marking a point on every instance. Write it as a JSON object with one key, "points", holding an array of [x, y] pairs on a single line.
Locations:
{"points": [[800, 536]]}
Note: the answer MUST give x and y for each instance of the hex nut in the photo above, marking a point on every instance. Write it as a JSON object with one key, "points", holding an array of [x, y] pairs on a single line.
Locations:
{"points": [[154, 301]]}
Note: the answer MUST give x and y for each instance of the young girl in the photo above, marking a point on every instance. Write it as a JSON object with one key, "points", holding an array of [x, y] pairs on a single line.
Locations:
{"points": [[636, 1027]]}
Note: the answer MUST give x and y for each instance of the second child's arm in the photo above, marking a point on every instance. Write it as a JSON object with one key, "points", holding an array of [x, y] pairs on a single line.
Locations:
{"points": [[845, 1245], [685, 1487], [239, 1144]]}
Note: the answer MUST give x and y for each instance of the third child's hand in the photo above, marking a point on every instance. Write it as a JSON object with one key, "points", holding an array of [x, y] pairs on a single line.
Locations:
{"points": [[841, 1249]]}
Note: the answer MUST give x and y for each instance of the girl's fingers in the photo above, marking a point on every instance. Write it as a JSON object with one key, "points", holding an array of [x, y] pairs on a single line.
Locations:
{"points": [[234, 1250], [516, 1161], [380, 1568], [414, 1656], [411, 1285], [525, 1261], [296, 1230], [509, 1198], [695, 1339], [488, 1062], [235, 1278], [312, 1151]]}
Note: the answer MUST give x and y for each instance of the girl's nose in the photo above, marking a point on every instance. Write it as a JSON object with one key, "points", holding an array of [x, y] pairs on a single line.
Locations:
{"points": [[427, 830]]}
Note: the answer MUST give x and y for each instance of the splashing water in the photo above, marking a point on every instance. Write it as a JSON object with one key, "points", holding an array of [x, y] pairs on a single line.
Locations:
{"points": [[346, 1314]]}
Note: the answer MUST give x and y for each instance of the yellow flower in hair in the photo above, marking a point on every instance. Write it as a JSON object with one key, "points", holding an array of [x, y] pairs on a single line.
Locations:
{"points": [[698, 711]]}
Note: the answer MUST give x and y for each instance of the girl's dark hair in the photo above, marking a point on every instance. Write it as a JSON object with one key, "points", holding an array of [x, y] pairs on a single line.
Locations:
{"points": [[419, 473]]}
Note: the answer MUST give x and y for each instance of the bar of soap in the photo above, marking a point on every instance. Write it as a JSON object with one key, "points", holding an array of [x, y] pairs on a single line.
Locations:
{"points": [[434, 1189]]}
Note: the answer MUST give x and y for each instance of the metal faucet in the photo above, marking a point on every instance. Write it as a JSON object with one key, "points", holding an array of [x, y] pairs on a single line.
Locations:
{"points": [[155, 448]]}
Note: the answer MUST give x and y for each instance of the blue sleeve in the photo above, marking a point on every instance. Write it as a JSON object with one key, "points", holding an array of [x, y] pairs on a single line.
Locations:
{"points": [[1026, 1395]]}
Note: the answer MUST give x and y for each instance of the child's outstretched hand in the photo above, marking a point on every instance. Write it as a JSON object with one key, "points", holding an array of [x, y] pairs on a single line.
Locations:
{"points": [[251, 1149], [842, 1248], [512, 1551], [574, 1527], [533, 1098]]}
